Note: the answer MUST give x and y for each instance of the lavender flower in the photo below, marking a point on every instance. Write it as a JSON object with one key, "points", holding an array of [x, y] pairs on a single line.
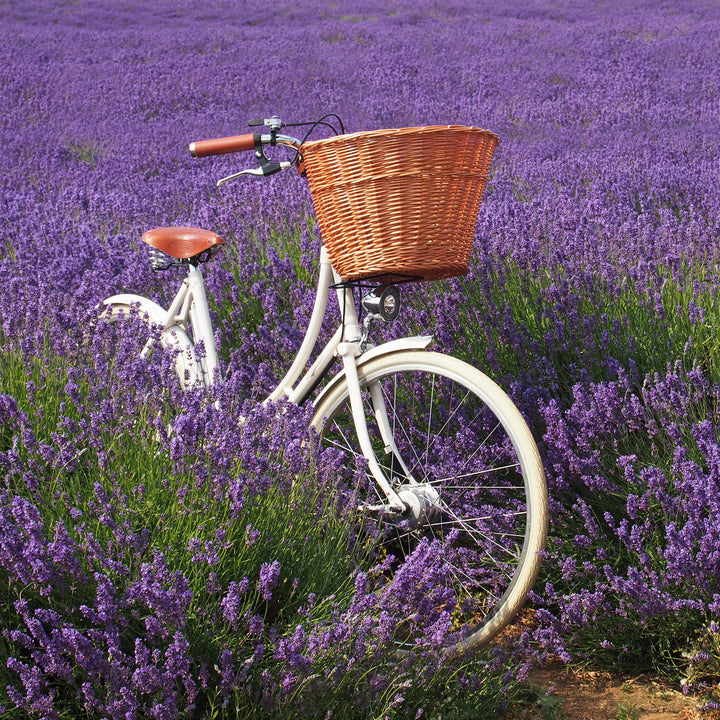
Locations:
{"points": [[141, 563], [269, 576]]}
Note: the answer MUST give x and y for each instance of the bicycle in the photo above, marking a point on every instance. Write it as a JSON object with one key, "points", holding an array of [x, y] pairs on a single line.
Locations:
{"points": [[448, 456]]}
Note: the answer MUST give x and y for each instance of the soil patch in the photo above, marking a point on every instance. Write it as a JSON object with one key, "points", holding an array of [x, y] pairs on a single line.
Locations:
{"points": [[557, 692]]}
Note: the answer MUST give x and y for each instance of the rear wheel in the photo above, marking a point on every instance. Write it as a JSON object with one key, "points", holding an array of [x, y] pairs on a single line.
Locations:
{"points": [[468, 470], [134, 336]]}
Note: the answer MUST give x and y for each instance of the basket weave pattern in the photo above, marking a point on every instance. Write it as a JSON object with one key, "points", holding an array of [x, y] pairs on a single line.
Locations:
{"points": [[399, 204]]}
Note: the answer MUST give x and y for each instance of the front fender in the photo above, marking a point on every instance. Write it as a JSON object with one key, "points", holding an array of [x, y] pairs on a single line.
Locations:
{"points": [[416, 342]]}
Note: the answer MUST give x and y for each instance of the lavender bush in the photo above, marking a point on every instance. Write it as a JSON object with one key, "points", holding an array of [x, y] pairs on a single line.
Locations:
{"points": [[196, 572], [157, 560]]}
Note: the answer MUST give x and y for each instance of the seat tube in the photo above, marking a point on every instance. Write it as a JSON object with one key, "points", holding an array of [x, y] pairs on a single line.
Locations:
{"points": [[202, 324]]}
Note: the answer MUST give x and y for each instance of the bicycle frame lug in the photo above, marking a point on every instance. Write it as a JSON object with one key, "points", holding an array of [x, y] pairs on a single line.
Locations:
{"points": [[349, 349]]}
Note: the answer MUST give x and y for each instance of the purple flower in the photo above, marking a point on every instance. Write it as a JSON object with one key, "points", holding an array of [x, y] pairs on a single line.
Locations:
{"points": [[128, 508], [269, 576], [231, 604]]}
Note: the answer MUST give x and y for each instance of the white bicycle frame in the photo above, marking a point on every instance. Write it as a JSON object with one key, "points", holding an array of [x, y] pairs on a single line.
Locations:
{"points": [[412, 506], [197, 360]]}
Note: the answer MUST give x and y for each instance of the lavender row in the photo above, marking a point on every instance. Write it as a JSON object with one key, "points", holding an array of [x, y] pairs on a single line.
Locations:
{"points": [[591, 298]]}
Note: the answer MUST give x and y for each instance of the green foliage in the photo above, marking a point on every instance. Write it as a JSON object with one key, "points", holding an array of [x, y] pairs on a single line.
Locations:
{"points": [[703, 666], [126, 502], [545, 704], [628, 711], [550, 325]]}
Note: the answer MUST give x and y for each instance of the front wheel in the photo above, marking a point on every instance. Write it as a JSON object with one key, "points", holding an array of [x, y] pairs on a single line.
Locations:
{"points": [[462, 458]]}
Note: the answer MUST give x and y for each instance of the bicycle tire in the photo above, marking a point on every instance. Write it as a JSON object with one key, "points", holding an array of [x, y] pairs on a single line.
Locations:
{"points": [[496, 524], [174, 341]]}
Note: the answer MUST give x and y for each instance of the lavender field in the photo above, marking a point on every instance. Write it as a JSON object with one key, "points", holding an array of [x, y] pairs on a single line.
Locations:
{"points": [[158, 560]]}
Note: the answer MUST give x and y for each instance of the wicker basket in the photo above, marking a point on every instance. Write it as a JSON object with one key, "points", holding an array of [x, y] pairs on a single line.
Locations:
{"points": [[399, 204]]}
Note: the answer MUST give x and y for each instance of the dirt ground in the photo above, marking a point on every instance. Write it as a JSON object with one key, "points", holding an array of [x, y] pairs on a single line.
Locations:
{"points": [[559, 693]]}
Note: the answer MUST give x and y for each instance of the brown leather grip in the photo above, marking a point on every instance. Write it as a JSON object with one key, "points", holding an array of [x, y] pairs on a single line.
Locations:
{"points": [[221, 146]]}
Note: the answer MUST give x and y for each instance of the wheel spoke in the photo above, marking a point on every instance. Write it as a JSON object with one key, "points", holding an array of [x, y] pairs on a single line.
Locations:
{"points": [[468, 493]]}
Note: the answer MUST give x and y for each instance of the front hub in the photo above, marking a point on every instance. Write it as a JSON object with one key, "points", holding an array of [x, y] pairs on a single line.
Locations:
{"points": [[422, 504]]}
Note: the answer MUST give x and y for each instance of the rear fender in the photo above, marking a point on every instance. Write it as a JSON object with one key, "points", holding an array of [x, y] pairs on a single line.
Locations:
{"points": [[155, 314]]}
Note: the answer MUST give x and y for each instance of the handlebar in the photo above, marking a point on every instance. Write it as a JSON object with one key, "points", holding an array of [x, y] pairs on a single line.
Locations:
{"points": [[257, 142], [240, 143], [250, 141]]}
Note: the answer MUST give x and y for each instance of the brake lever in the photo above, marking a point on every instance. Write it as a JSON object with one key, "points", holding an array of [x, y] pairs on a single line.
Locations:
{"points": [[267, 169]]}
